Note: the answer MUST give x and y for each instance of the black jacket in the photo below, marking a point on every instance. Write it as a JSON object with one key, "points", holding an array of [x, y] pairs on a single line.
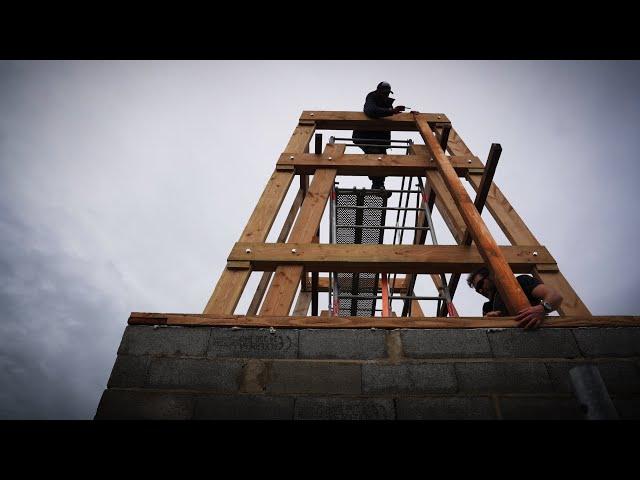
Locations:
{"points": [[375, 107]]}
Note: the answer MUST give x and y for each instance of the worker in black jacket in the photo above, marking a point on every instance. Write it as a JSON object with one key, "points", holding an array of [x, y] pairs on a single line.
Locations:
{"points": [[378, 104]]}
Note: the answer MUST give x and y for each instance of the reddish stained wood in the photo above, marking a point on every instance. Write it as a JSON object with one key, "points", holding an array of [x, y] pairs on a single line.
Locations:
{"points": [[331, 120]]}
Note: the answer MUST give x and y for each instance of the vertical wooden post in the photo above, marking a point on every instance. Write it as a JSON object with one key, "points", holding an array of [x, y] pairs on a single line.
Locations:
{"points": [[508, 287]]}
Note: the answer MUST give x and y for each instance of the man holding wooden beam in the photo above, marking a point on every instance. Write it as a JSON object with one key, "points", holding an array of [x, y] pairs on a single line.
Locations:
{"points": [[543, 299]]}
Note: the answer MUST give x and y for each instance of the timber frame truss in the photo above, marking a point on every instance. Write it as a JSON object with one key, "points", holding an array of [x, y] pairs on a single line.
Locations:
{"points": [[297, 254]]}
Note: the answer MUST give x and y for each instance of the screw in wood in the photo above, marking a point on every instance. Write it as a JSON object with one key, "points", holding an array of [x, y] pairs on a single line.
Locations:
{"points": [[291, 157], [293, 250], [535, 254], [379, 158], [469, 161], [330, 158], [248, 250], [312, 114]]}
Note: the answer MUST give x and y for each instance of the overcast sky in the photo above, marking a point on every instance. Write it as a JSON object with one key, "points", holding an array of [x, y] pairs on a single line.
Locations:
{"points": [[124, 185]]}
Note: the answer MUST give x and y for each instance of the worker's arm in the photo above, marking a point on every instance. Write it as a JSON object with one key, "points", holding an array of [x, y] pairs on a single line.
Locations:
{"points": [[532, 317], [374, 111]]}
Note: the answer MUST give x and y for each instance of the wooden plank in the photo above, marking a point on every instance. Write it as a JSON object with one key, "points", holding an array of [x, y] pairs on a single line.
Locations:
{"points": [[228, 290], [302, 304], [285, 283], [365, 164], [138, 318], [416, 309], [402, 122], [284, 233], [382, 258], [506, 284]]}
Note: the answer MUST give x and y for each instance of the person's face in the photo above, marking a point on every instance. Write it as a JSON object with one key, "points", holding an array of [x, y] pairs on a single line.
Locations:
{"points": [[483, 285]]}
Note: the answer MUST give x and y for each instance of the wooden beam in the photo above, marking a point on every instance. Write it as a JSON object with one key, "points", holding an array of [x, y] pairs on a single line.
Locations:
{"points": [[506, 284], [365, 164], [402, 122], [481, 197], [302, 304], [284, 232], [285, 283], [382, 258], [230, 286], [141, 318]]}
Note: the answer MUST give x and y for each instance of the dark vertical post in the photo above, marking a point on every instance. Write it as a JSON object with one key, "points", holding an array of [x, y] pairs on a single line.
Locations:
{"points": [[314, 294], [318, 149]]}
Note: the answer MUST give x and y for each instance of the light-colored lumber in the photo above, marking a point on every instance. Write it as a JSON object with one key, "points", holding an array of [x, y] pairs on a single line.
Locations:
{"points": [[358, 120], [143, 318], [382, 258]]}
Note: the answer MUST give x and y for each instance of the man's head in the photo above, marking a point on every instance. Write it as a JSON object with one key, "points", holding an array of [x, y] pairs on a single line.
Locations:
{"points": [[481, 281], [384, 89]]}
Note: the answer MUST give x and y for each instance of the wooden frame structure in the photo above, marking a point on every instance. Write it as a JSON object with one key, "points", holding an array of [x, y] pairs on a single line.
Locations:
{"points": [[444, 160]]}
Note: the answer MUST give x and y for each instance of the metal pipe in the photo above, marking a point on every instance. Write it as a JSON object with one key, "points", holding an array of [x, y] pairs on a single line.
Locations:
{"points": [[382, 228], [373, 190], [391, 297], [373, 140], [373, 145], [380, 208], [591, 392]]}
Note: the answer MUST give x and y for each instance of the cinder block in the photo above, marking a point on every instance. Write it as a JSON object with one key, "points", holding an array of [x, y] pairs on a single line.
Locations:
{"points": [[144, 405], [503, 377], [408, 378], [129, 371], [313, 377], [440, 343], [253, 343], [309, 408], [195, 374], [169, 341], [628, 407], [243, 407], [446, 408], [352, 344], [618, 376], [600, 342], [549, 342], [540, 408]]}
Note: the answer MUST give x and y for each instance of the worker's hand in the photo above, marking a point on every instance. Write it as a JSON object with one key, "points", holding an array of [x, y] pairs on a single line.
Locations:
{"points": [[398, 109], [494, 313], [531, 318]]}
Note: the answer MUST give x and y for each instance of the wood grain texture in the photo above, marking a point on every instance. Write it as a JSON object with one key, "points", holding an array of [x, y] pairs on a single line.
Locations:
{"points": [[283, 288], [143, 318], [382, 258], [358, 120], [370, 164], [228, 290], [506, 284]]}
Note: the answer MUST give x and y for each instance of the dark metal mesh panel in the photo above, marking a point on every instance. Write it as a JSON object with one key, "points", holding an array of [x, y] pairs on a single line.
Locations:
{"points": [[362, 284]]}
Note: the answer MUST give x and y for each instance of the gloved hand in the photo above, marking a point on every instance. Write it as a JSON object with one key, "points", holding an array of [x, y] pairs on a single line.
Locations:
{"points": [[398, 109]]}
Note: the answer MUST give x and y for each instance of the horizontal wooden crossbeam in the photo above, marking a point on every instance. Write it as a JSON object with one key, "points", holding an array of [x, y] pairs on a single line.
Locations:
{"points": [[403, 122], [360, 164], [179, 319], [382, 258]]}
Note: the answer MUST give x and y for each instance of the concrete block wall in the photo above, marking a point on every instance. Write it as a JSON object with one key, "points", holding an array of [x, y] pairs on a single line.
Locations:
{"points": [[405, 374]]}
